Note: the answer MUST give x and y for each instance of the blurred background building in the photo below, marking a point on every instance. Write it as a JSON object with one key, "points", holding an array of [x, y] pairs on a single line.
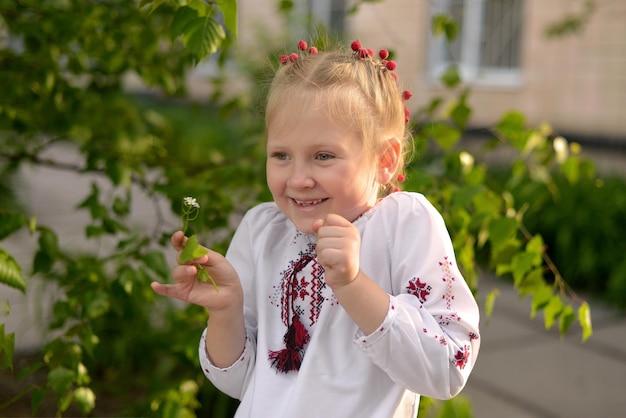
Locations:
{"points": [[574, 79]]}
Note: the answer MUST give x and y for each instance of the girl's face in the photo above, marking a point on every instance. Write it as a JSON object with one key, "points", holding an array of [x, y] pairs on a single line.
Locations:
{"points": [[316, 168]]}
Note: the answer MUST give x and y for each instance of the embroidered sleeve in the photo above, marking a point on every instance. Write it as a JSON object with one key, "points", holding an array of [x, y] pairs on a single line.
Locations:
{"points": [[430, 339], [230, 379]]}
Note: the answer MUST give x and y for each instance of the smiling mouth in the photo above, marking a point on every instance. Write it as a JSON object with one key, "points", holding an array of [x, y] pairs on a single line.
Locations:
{"points": [[307, 203]]}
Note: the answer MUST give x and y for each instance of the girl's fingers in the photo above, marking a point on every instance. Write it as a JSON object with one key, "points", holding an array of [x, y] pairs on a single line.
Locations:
{"points": [[178, 240]]}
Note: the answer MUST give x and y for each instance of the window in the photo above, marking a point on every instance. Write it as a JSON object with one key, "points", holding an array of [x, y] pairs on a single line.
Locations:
{"points": [[487, 49], [329, 12]]}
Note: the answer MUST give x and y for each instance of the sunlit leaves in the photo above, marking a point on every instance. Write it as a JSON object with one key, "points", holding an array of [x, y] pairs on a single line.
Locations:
{"points": [[201, 33], [584, 318], [11, 272]]}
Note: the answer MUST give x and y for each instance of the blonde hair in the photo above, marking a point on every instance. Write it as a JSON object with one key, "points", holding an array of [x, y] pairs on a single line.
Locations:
{"points": [[356, 92]]}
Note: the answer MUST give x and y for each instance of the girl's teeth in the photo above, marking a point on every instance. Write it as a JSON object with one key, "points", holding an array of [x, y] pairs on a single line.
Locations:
{"points": [[309, 203]]}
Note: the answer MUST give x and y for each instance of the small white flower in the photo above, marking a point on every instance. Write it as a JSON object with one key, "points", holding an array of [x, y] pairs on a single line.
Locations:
{"points": [[561, 148], [191, 202], [467, 161]]}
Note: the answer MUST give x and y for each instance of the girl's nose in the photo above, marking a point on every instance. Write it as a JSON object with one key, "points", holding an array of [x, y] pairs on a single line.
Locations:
{"points": [[300, 177]]}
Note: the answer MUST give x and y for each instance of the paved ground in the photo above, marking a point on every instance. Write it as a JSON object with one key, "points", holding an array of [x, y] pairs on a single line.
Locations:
{"points": [[523, 371]]}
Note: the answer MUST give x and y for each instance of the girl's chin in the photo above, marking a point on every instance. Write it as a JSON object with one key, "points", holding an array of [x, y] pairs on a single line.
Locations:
{"points": [[304, 227]]}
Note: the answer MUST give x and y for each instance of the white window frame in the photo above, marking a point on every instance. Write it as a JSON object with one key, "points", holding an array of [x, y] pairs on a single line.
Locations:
{"points": [[469, 62]]}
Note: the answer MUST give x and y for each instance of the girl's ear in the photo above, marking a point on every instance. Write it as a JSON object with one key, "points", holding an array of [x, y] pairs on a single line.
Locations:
{"points": [[388, 161]]}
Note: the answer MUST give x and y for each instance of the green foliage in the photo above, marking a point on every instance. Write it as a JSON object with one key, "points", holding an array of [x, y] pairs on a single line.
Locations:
{"points": [[572, 23], [585, 240], [458, 407]]}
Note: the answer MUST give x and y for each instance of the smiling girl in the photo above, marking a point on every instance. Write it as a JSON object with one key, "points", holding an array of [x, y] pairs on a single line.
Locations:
{"points": [[342, 297]]}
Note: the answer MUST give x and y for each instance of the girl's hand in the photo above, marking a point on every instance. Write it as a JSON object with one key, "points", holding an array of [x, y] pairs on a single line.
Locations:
{"points": [[189, 288], [338, 249]]}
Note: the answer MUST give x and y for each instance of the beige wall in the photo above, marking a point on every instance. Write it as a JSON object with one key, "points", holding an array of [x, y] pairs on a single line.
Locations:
{"points": [[576, 83]]}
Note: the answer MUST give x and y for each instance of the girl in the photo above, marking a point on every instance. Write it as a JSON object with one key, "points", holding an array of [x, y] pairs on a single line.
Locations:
{"points": [[341, 298]]}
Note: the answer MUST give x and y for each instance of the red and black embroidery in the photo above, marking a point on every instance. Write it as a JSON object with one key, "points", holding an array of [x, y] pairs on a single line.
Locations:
{"points": [[462, 357], [296, 286], [419, 289]]}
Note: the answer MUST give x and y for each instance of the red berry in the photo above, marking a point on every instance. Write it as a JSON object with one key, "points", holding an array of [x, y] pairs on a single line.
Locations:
{"points": [[293, 57], [283, 59], [391, 65], [363, 53], [394, 75], [355, 45], [407, 115], [401, 178], [312, 50], [302, 46], [406, 94], [383, 54], [370, 51]]}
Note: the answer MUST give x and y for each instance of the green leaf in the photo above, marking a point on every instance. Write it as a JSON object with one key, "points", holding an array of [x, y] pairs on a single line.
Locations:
{"points": [[490, 301], [566, 319], [521, 264], [7, 348], [444, 135], [118, 172], [10, 222], [531, 282], [60, 380], [42, 263], [286, 6], [500, 230], [48, 242], [445, 25], [487, 203], [98, 305], [451, 77], [552, 311], [461, 112], [571, 169], [541, 298], [584, 317], [11, 272], [182, 18], [512, 128], [229, 10], [92, 203], [38, 397], [192, 250], [203, 36]]}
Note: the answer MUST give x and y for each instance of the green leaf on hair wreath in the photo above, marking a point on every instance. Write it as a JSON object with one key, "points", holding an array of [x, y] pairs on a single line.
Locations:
{"points": [[192, 250], [10, 272]]}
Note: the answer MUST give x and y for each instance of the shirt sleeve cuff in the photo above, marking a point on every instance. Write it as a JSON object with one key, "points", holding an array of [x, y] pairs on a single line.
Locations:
{"points": [[364, 342], [209, 368]]}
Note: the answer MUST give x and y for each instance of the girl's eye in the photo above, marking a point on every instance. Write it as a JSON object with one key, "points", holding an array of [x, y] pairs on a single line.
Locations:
{"points": [[324, 156], [280, 155]]}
